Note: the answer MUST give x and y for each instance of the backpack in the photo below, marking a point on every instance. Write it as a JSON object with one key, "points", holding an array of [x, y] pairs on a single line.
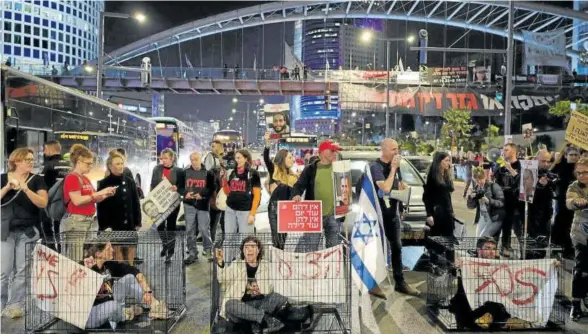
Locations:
{"points": [[216, 168], [56, 206]]}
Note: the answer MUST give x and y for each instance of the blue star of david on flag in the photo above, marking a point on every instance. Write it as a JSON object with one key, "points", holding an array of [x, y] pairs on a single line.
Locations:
{"points": [[366, 229]]}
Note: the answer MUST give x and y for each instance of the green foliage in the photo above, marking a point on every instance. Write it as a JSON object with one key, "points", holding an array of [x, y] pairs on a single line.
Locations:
{"points": [[564, 109], [425, 149], [492, 132], [457, 129], [408, 145]]}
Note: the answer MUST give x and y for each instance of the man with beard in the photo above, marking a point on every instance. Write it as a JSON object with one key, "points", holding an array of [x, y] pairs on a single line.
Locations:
{"points": [[279, 123], [213, 162], [541, 210]]}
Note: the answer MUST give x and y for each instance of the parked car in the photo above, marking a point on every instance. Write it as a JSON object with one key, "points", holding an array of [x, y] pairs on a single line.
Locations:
{"points": [[421, 163]]}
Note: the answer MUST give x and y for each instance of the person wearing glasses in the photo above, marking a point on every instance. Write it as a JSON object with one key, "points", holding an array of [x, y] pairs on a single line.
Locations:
{"points": [[23, 195], [80, 199]]}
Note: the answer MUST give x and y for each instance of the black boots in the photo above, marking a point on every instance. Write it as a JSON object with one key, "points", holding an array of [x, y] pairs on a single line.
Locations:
{"points": [[576, 312]]}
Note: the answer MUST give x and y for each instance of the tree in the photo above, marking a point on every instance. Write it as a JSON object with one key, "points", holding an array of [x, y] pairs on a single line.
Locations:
{"points": [[425, 148], [564, 109], [457, 128]]}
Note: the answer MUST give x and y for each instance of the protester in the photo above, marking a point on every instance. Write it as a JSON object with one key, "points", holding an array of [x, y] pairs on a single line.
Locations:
{"points": [[281, 182], [508, 178], [80, 198], [176, 177], [127, 172], [577, 200], [562, 224], [124, 283], [213, 162], [243, 190], [23, 195], [249, 294], [540, 212], [55, 168], [437, 196], [469, 164], [488, 200], [122, 211], [386, 176], [200, 185], [316, 182]]}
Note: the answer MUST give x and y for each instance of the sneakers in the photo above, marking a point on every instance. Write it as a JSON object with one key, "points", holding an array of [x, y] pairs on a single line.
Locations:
{"points": [[190, 260], [406, 289], [378, 292], [13, 313]]}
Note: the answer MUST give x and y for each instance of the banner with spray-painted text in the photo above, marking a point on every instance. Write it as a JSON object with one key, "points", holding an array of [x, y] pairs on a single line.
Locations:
{"points": [[545, 48]]}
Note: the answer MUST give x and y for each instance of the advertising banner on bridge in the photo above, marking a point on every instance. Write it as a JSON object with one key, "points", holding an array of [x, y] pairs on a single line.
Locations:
{"points": [[159, 204], [545, 48], [429, 101]]}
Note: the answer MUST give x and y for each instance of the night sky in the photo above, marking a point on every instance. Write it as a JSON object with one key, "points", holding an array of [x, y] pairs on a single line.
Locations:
{"points": [[240, 47]]}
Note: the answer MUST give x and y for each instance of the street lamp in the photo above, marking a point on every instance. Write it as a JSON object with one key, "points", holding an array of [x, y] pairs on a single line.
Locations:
{"points": [[367, 36], [140, 17], [234, 111], [259, 102]]}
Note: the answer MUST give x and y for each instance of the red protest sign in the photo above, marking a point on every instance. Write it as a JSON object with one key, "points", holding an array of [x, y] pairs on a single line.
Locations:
{"points": [[303, 216]]}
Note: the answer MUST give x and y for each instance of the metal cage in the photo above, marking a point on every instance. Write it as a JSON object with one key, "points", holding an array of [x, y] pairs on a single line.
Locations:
{"points": [[506, 293], [61, 295], [305, 273]]}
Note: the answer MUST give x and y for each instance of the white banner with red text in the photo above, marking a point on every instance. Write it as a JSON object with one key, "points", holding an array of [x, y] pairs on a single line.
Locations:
{"points": [[313, 277], [526, 288], [62, 287]]}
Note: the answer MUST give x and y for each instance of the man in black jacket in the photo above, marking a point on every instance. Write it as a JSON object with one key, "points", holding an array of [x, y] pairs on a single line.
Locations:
{"points": [[317, 181], [541, 210], [55, 168], [199, 187]]}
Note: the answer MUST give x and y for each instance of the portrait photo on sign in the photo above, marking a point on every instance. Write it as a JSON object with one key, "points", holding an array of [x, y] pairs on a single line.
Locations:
{"points": [[529, 171], [480, 73], [278, 123], [342, 187]]}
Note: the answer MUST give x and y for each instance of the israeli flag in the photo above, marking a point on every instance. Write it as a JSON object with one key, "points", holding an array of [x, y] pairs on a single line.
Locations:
{"points": [[368, 242]]}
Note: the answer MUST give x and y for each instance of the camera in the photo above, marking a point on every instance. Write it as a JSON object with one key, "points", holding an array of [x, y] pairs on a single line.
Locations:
{"points": [[480, 193], [552, 177]]}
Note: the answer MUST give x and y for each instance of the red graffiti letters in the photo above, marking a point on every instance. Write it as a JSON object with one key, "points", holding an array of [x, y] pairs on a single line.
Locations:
{"points": [[509, 283], [46, 276], [317, 265]]}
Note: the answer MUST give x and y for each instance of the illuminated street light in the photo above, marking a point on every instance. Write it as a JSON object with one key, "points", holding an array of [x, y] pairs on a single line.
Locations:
{"points": [[234, 111], [88, 69], [235, 100], [261, 101], [140, 17], [373, 115], [367, 36], [230, 118], [353, 114], [410, 39]]}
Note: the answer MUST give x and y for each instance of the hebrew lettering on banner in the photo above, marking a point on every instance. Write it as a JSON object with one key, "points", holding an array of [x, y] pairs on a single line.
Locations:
{"points": [[577, 130], [62, 287], [160, 202], [526, 288], [314, 277]]}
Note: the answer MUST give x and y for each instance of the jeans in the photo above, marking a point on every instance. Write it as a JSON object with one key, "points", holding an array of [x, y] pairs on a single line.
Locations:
{"points": [[512, 220], [167, 230], [197, 219], [14, 261], [254, 310], [393, 234], [127, 286], [236, 227], [487, 228], [278, 239], [75, 230], [580, 273], [216, 217], [310, 242]]}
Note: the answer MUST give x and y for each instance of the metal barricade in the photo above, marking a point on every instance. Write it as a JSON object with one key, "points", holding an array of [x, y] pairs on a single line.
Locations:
{"points": [[304, 287], [474, 287], [106, 291]]}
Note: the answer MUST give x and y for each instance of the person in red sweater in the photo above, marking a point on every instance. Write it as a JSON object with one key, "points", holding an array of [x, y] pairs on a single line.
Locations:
{"points": [[80, 199]]}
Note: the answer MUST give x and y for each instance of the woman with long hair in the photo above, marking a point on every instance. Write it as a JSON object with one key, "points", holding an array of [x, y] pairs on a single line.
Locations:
{"points": [[175, 176], [281, 180], [243, 190], [121, 212], [437, 196], [23, 195], [80, 198]]}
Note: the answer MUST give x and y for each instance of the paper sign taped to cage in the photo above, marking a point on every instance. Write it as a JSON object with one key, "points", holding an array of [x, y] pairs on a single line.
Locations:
{"points": [[62, 287], [300, 217], [158, 204], [577, 130], [525, 288], [314, 277], [342, 187]]}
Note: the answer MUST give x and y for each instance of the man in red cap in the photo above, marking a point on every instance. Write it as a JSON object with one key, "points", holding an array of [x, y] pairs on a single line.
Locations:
{"points": [[317, 181]]}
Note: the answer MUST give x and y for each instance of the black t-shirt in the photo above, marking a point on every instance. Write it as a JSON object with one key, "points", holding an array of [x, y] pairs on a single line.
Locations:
{"points": [[21, 212], [380, 172], [241, 187], [115, 270], [252, 289]]}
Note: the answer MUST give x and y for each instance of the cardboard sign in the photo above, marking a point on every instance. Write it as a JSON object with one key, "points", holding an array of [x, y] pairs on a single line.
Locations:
{"points": [[277, 117], [528, 130], [300, 217], [342, 188], [159, 204], [577, 131], [529, 178], [62, 287]]}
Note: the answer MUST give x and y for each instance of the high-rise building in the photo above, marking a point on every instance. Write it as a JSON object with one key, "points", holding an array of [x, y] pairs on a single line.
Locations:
{"points": [[49, 32], [580, 32]]}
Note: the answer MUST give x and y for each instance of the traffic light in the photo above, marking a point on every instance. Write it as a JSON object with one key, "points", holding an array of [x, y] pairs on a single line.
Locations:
{"points": [[146, 72], [327, 102]]}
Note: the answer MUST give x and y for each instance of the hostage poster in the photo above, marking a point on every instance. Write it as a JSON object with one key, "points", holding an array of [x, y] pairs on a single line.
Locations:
{"points": [[342, 187], [160, 202], [277, 120]]}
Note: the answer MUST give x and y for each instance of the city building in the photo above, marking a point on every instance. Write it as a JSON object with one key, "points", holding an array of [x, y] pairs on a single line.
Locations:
{"points": [[49, 32], [320, 126], [261, 127]]}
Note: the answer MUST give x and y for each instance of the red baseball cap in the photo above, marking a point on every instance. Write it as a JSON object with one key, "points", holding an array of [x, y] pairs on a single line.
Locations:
{"points": [[328, 145]]}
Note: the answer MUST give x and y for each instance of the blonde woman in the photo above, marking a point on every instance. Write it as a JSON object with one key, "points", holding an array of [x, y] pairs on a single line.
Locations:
{"points": [[488, 199], [23, 195]]}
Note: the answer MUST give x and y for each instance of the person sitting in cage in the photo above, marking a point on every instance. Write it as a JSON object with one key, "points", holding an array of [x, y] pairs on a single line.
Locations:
{"points": [[249, 296], [124, 282]]}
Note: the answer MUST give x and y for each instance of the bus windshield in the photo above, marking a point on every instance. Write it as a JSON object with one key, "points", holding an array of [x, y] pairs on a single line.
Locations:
{"points": [[166, 138]]}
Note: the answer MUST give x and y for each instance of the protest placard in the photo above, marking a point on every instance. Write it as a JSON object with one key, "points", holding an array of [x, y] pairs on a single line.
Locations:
{"points": [[62, 287], [314, 277], [526, 288], [277, 117], [342, 187], [302, 217], [529, 172], [158, 205], [577, 130]]}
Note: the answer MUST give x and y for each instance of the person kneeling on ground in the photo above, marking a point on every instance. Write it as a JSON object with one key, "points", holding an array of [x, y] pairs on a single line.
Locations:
{"points": [[248, 292], [126, 282]]}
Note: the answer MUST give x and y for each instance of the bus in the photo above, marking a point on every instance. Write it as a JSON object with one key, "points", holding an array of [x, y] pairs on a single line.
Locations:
{"points": [[232, 140], [177, 136], [101, 143], [299, 144]]}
